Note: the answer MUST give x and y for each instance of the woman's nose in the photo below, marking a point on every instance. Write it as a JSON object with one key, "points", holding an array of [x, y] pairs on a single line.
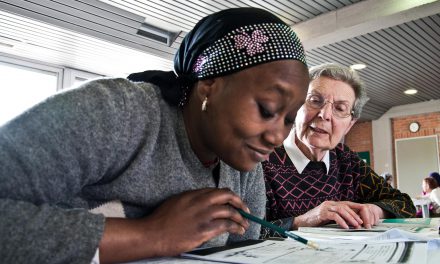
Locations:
{"points": [[326, 111], [276, 134]]}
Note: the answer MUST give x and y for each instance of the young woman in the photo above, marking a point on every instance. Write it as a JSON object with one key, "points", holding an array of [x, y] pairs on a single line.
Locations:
{"points": [[154, 167], [431, 191]]}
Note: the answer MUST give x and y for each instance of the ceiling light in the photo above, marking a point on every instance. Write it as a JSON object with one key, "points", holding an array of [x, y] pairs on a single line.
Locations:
{"points": [[157, 34], [7, 45], [358, 66], [7, 42], [411, 91]]}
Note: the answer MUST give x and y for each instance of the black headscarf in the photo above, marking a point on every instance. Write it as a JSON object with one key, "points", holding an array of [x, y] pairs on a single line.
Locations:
{"points": [[175, 87]]}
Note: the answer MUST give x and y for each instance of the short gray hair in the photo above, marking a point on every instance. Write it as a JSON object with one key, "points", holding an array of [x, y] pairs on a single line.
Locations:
{"points": [[341, 73], [387, 176]]}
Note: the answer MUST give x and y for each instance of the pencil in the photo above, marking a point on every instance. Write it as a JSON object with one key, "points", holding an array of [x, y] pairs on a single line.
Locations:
{"points": [[278, 229]]}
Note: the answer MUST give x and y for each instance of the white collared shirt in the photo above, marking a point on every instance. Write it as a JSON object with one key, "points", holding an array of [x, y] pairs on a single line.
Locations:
{"points": [[297, 157]]}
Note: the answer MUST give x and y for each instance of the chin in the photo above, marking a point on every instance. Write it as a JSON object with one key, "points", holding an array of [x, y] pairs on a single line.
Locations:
{"points": [[244, 167], [318, 146]]}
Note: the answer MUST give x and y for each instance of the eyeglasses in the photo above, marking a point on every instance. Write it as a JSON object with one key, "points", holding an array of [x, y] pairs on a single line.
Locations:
{"points": [[339, 109]]}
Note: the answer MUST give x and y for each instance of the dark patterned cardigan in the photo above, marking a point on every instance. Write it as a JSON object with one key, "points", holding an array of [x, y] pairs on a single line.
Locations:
{"points": [[291, 194]]}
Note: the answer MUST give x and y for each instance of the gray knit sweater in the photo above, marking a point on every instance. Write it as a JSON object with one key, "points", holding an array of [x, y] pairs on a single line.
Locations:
{"points": [[110, 147]]}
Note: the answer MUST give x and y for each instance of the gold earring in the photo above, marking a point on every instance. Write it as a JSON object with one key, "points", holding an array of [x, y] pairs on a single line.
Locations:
{"points": [[205, 104]]}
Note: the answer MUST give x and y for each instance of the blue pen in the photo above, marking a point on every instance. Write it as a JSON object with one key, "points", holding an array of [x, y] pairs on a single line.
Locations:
{"points": [[278, 229]]}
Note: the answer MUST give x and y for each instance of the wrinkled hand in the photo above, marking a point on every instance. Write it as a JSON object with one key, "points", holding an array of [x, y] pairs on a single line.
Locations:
{"points": [[345, 214], [187, 220]]}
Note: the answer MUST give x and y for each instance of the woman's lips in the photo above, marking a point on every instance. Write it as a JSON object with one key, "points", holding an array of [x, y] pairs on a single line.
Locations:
{"points": [[260, 154], [318, 130]]}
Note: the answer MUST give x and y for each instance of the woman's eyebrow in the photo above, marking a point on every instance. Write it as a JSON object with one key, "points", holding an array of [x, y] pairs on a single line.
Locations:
{"points": [[279, 89], [276, 89], [336, 101]]}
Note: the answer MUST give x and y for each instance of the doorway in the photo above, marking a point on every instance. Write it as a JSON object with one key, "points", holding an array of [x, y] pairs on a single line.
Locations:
{"points": [[415, 159]]}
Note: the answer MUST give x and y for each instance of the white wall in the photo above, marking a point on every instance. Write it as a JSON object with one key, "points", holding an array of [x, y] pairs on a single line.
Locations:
{"points": [[382, 133], [416, 157]]}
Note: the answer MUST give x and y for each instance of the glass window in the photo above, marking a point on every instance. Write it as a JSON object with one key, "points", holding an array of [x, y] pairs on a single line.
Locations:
{"points": [[24, 86], [73, 77]]}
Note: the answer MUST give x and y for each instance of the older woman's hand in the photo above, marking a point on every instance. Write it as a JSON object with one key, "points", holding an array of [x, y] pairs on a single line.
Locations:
{"points": [[345, 214]]}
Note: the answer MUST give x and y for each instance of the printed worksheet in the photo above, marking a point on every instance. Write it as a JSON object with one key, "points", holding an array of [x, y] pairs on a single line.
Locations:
{"points": [[276, 252], [389, 230]]}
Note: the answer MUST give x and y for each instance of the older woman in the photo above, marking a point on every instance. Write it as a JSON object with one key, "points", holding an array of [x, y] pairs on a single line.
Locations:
{"points": [[154, 167], [314, 179], [388, 177]]}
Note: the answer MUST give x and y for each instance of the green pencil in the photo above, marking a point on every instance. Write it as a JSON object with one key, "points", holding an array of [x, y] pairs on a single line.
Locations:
{"points": [[278, 229]]}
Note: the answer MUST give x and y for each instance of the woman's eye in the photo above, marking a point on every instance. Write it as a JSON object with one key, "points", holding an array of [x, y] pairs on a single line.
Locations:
{"points": [[340, 107], [314, 100], [289, 121], [264, 112]]}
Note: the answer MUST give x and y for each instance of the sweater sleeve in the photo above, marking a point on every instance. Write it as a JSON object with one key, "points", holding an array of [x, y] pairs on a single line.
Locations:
{"points": [[373, 189], [255, 199], [253, 195], [435, 196], [284, 223], [47, 155]]}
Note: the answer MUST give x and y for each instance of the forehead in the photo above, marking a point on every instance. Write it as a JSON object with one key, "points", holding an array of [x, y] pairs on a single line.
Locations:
{"points": [[332, 89], [283, 77]]}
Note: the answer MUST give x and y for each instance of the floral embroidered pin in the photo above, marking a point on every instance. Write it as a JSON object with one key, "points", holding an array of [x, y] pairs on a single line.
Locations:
{"points": [[253, 44]]}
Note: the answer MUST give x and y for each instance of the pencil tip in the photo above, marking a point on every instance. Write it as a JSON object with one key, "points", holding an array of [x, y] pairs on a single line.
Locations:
{"points": [[312, 244]]}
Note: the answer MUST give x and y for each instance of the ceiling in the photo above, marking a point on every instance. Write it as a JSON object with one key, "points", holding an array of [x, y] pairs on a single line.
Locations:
{"points": [[398, 40]]}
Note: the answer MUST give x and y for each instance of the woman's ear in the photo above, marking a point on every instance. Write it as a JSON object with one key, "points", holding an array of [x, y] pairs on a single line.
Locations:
{"points": [[204, 88], [352, 122]]}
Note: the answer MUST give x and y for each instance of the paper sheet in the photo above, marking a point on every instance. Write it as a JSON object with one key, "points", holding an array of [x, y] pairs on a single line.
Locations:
{"points": [[277, 252], [414, 241], [410, 229]]}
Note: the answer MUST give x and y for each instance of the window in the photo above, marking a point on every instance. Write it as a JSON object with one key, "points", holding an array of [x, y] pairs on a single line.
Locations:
{"points": [[26, 83], [23, 85], [73, 78]]}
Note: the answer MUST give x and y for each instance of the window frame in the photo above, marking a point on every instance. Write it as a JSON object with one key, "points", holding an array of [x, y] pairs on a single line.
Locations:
{"points": [[35, 66], [70, 74]]}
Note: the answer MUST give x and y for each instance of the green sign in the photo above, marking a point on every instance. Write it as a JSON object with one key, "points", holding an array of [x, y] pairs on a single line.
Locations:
{"points": [[365, 156]]}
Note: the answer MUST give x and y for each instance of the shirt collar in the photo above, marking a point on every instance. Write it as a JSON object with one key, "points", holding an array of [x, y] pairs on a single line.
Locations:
{"points": [[298, 158]]}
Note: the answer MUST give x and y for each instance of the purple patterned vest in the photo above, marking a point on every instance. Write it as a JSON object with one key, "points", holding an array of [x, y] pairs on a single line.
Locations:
{"points": [[290, 193]]}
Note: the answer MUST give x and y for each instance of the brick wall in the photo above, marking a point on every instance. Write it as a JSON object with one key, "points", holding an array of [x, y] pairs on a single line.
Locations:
{"points": [[360, 138], [429, 125]]}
